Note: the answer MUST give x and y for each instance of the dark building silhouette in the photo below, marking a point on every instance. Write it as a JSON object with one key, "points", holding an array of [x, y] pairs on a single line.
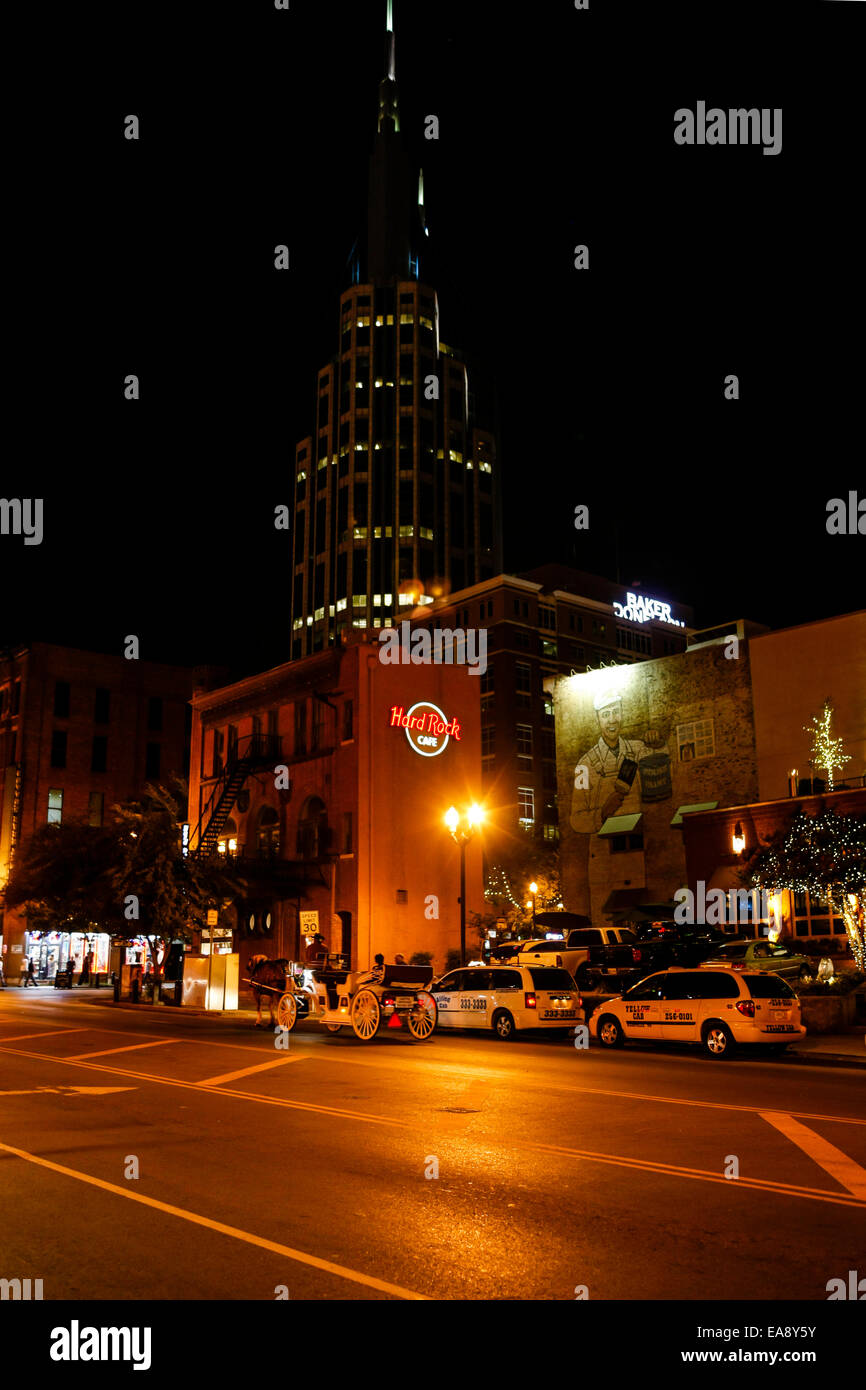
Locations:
{"points": [[397, 488]]}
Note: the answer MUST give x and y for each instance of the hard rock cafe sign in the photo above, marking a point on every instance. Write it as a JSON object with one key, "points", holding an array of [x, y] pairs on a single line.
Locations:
{"points": [[427, 728]]}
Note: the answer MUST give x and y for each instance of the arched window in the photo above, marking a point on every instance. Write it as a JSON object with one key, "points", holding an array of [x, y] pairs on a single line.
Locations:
{"points": [[227, 843], [268, 835], [313, 829]]}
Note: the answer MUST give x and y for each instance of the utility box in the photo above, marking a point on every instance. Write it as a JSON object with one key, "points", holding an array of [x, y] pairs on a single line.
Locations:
{"points": [[223, 992], [194, 991]]}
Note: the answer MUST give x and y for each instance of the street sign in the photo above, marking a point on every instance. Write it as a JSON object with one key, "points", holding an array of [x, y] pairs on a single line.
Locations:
{"points": [[309, 923], [212, 917]]}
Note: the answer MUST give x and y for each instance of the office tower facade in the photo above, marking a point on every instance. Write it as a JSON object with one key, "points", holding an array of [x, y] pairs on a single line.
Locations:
{"points": [[397, 488]]}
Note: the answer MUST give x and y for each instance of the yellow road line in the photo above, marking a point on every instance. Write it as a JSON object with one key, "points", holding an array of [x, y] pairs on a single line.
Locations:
{"points": [[826, 1155], [20, 1037], [782, 1189], [247, 1071], [133, 1047], [341, 1112], [300, 1256]]}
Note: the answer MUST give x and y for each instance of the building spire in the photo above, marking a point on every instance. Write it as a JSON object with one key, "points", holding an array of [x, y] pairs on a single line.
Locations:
{"points": [[389, 108]]}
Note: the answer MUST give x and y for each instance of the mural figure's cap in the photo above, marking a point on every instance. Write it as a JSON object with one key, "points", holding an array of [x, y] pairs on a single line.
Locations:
{"points": [[605, 698]]}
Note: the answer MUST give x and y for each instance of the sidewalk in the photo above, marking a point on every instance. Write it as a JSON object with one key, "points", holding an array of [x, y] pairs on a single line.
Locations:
{"points": [[845, 1049]]}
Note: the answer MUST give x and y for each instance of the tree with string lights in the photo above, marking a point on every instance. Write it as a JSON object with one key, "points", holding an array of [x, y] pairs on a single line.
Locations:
{"points": [[825, 856], [827, 751]]}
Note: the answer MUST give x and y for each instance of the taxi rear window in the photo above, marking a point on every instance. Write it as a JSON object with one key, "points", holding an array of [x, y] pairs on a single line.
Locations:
{"points": [[768, 987], [543, 977]]}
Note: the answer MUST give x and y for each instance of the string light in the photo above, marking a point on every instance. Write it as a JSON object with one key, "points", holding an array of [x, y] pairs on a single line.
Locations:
{"points": [[826, 751], [825, 856]]}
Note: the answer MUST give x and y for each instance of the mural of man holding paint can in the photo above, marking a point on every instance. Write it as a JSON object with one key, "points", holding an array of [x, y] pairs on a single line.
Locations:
{"points": [[617, 773]]}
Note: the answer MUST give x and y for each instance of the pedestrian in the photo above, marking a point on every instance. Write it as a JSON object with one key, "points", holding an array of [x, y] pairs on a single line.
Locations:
{"points": [[317, 951], [84, 978], [31, 975], [399, 960]]}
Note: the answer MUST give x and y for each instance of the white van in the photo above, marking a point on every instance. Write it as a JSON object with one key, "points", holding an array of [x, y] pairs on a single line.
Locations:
{"points": [[508, 999]]}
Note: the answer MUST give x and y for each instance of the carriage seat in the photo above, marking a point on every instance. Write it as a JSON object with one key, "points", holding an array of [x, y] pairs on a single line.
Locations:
{"points": [[330, 979], [408, 976]]}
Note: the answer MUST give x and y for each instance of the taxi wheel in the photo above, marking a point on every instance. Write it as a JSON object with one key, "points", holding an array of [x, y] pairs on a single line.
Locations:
{"points": [[503, 1025], [610, 1032], [717, 1040]]}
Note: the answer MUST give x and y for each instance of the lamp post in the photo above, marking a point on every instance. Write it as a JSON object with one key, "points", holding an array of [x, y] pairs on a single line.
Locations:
{"points": [[463, 826]]}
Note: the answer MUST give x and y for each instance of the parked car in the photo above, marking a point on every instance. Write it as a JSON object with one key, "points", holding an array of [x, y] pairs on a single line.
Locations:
{"points": [[718, 1008], [574, 951], [689, 944], [745, 954], [507, 999]]}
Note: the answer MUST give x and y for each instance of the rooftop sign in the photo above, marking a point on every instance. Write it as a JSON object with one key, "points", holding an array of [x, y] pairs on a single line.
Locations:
{"points": [[638, 609]]}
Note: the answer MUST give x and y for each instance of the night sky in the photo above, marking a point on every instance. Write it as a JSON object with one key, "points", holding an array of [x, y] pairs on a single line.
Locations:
{"points": [[605, 387]]}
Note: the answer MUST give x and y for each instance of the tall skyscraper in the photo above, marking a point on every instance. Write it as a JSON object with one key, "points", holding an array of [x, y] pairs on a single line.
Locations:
{"points": [[397, 489]]}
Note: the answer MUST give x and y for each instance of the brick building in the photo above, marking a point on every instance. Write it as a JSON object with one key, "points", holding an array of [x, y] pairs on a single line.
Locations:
{"points": [[79, 731], [308, 783], [644, 751]]}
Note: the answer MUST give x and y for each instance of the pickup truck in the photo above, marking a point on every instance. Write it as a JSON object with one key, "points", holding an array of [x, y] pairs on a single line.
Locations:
{"points": [[589, 951]]}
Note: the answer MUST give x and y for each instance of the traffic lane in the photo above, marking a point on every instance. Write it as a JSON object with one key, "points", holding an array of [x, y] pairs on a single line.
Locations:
{"points": [[477, 1169], [608, 1123], [496, 1222], [86, 1243]]}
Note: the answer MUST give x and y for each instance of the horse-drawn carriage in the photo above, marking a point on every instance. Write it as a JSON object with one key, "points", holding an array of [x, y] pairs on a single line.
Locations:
{"points": [[341, 998]]}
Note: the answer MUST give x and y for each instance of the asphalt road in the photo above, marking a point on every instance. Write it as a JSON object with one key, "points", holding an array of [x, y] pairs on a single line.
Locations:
{"points": [[316, 1168]]}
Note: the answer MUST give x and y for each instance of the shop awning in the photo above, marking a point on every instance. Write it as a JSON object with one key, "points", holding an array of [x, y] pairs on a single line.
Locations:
{"points": [[698, 806], [620, 825]]}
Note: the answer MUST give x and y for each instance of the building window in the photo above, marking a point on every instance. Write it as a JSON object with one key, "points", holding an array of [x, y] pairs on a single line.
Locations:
{"points": [[348, 717], [313, 829], [218, 744], [524, 741], [99, 754], [55, 807], [61, 699], [101, 707], [547, 617], [522, 682], [621, 844], [268, 834], [487, 686], [347, 832], [488, 740], [696, 740], [301, 727], [154, 714], [318, 730], [58, 748], [551, 832], [16, 697], [548, 648], [152, 761], [526, 806], [95, 808]]}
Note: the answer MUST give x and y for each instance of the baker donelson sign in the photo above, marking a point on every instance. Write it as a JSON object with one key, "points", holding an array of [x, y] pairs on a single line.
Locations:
{"points": [[427, 728]]}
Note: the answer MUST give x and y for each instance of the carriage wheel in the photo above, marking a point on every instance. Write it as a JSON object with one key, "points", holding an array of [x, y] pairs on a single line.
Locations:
{"points": [[365, 1015], [287, 1012], [422, 1018], [333, 1027]]}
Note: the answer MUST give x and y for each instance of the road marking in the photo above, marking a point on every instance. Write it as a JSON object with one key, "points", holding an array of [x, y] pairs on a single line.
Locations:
{"points": [[20, 1037], [340, 1111], [78, 1090], [846, 1172], [781, 1189], [247, 1071], [286, 1251], [133, 1047]]}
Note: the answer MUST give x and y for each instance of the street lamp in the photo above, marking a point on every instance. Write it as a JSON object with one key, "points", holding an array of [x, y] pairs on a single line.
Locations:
{"points": [[463, 827], [533, 888], [738, 839]]}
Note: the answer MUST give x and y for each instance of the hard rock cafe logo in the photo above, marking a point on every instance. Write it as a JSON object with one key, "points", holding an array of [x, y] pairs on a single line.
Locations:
{"points": [[427, 729]]}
